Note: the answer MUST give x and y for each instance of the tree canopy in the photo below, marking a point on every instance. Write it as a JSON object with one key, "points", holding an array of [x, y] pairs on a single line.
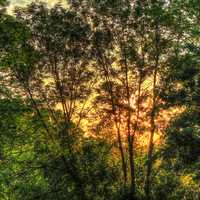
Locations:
{"points": [[100, 100]]}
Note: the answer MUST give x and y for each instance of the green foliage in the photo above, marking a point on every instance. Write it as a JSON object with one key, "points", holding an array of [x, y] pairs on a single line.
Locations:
{"points": [[54, 60]]}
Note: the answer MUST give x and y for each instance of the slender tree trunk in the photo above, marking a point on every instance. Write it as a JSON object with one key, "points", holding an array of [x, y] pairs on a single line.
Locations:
{"points": [[151, 137], [131, 141], [131, 154], [131, 157], [105, 66], [148, 178], [138, 105], [130, 135], [124, 167], [132, 166], [151, 142], [120, 145], [71, 168]]}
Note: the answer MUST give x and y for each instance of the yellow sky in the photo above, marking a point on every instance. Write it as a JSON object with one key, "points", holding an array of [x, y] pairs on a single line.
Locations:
{"points": [[14, 3]]}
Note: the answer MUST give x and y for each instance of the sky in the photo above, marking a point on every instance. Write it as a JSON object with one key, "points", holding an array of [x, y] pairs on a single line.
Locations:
{"points": [[14, 3]]}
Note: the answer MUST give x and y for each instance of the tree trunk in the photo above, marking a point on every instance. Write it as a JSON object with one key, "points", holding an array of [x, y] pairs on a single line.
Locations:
{"points": [[124, 167], [130, 136], [132, 166], [148, 178], [150, 159], [151, 138], [105, 67]]}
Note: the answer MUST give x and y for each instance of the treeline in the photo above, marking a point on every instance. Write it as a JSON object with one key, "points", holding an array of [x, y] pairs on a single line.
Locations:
{"points": [[100, 100]]}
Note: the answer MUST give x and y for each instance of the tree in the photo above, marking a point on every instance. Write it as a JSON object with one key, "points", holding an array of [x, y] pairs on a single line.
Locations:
{"points": [[181, 147], [82, 90], [47, 58]]}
